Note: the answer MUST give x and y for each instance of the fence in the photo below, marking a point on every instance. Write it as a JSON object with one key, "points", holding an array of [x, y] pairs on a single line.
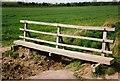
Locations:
{"points": [[94, 58]]}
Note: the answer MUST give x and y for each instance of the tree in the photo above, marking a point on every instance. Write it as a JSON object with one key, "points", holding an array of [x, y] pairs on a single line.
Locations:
{"points": [[68, 4]]}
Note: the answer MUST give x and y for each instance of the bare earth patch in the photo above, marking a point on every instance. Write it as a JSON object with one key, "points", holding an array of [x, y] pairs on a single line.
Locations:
{"points": [[29, 65], [24, 66]]}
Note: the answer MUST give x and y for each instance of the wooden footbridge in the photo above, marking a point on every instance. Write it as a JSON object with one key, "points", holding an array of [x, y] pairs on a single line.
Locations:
{"points": [[74, 54]]}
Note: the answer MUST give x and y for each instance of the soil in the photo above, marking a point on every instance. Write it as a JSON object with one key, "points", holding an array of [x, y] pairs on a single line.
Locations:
{"points": [[3, 49], [31, 64], [23, 65]]}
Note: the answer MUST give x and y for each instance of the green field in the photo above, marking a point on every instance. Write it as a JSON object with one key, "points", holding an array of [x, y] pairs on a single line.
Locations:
{"points": [[83, 16], [88, 15]]}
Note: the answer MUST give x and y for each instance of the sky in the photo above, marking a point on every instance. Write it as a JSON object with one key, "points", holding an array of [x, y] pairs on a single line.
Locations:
{"points": [[56, 1]]}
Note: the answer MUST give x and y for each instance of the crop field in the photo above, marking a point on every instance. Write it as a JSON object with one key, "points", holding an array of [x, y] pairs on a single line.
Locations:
{"points": [[84, 16]]}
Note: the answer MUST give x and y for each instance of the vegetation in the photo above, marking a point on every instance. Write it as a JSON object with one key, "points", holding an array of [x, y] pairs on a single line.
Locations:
{"points": [[74, 65], [92, 16], [11, 53], [31, 4], [85, 16]]}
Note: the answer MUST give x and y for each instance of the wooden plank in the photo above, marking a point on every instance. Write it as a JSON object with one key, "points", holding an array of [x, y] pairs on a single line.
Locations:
{"points": [[72, 46], [69, 26], [38, 40], [78, 55], [87, 38], [63, 35], [34, 31]]}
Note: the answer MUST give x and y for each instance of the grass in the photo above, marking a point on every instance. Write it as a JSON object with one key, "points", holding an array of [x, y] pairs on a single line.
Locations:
{"points": [[91, 15], [74, 65], [85, 16]]}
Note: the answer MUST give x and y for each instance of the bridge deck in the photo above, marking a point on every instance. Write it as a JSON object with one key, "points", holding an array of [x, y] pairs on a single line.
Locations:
{"points": [[68, 53]]}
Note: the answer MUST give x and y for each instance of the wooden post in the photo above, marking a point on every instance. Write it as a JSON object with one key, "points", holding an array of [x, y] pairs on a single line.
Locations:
{"points": [[57, 39], [95, 67], [14, 48], [104, 43], [25, 33]]}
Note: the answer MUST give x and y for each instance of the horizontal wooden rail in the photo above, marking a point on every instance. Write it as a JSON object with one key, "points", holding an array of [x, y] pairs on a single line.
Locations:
{"points": [[72, 46], [34, 31], [85, 48], [38, 40], [87, 38], [69, 26], [63, 35], [78, 55]]}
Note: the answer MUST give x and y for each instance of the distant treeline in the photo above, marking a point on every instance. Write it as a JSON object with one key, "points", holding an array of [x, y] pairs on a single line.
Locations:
{"points": [[33, 4]]}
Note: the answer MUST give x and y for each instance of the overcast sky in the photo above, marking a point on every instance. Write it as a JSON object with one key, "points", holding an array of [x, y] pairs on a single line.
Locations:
{"points": [[56, 1]]}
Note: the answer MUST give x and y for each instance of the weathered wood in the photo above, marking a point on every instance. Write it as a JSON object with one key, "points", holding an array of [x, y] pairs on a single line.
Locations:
{"points": [[68, 26], [38, 40], [78, 55], [25, 33], [85, 48], [34, 31], [63, 35], [57, 38], [72, 46], [104, 44], [87, 38], [95, 67]]}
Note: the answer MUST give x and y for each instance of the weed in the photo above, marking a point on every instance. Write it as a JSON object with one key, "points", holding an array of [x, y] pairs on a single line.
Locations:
{"points": [[78, 77], [37, 58], [97, 53], [110, 71], [9, 53], [74, 65]]}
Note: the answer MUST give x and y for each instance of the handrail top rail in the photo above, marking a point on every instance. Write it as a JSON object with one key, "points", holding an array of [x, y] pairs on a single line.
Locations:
{"points": [[69, 26]]}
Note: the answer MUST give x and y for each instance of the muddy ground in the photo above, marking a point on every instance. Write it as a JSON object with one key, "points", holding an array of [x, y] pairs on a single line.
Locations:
{"points": [[24, 63]]}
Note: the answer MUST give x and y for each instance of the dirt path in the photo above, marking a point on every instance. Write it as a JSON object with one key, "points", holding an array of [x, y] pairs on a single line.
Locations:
{"points": [[58, 74], [68, 74], [3, 49]]}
